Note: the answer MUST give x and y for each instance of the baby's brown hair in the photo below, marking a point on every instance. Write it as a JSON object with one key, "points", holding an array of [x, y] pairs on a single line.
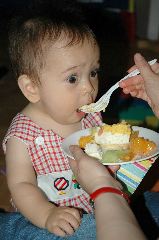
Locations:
{"points": [[31, 36]]}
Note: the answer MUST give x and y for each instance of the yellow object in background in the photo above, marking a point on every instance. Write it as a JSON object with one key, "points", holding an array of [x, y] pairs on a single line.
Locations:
{"points": [[152, 121], [131, 7]]}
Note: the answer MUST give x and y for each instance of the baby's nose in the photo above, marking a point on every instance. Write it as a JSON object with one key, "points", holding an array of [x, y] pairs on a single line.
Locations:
{"points": [[88, 87]]}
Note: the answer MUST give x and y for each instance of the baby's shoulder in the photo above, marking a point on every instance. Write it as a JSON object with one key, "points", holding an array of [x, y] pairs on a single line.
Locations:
{"points": [[23, 124], [23, 128]]}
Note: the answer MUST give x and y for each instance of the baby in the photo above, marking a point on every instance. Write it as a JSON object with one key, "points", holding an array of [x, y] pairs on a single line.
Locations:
{"points": [[56, 63]]}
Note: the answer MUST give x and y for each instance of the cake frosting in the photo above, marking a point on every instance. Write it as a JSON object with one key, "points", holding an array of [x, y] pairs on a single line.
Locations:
{"points": [[116, 136]]}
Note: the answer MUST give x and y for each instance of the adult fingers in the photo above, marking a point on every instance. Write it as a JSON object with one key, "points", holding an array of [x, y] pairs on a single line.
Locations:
{"points": [[131, 82], [114, 168], [137, 57], [73, 165], [132, 69], [77, 152], [143, 66]]}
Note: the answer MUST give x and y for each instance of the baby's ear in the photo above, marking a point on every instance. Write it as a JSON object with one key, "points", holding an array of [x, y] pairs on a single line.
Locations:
{"points": [[29, 89]]}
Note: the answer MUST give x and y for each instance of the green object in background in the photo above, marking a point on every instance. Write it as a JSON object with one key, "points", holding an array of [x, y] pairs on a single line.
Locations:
{"points": [[131, 6], [137, 115]]}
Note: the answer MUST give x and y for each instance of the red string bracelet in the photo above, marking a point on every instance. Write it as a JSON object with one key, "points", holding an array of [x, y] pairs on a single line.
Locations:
{"points": [[99, 191]]}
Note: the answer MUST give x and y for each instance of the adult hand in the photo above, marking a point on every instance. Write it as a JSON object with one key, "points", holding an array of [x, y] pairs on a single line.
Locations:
{"points": [[145, 85], [89, 172]]}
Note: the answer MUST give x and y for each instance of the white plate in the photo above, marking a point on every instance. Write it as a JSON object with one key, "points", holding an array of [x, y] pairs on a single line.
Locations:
{"points": [[143, 132]]}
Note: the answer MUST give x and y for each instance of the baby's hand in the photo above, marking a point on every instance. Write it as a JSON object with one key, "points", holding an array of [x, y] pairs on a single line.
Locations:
{"points": [[63, 221]]}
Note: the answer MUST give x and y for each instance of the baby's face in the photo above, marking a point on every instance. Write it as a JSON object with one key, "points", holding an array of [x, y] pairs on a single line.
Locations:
{"points": [[69, 80]]}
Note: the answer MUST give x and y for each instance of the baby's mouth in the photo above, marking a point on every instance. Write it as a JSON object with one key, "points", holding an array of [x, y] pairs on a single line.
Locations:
{"points": [[80, 112], [80, 108]]}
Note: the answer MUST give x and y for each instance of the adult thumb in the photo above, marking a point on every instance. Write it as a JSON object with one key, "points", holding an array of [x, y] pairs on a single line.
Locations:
{"points": [[142, 65], [73, 165]]}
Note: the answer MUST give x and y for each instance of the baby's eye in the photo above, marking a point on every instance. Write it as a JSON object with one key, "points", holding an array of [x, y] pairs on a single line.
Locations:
{"points": [[72, 79], [94, 73]]}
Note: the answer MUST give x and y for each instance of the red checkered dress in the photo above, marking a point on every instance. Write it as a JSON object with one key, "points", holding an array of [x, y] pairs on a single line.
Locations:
{"points": [[54, 176]]}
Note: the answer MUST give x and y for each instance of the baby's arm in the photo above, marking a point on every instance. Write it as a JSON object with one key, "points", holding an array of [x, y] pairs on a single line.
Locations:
{"points": [[28, 197]]}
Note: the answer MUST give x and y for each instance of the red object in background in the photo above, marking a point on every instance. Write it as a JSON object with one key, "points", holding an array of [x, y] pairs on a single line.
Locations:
{"points": [[155, 188], [129, 23]]}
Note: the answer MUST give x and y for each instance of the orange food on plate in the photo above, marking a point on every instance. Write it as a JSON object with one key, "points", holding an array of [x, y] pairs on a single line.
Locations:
{"points": [[141, 146], [84, 140], [138, 146]]}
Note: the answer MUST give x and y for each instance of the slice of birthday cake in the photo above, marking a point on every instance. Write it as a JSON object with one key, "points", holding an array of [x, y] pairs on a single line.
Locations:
{"points": [[116, 143]]}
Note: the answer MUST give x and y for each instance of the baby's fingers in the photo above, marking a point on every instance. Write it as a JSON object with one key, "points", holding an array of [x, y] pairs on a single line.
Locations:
{"points": [[74, 223], [66, 224], [59, 231], [66, 227], [69, 223], [75, 213]]}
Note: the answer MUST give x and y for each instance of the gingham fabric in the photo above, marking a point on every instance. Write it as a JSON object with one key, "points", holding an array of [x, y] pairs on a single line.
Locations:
{"points": [[50, 163]]}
